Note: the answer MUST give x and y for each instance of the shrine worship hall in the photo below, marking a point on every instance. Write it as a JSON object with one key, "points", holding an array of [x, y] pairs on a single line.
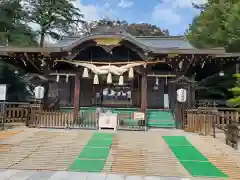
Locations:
{"points": [[109, 70]]}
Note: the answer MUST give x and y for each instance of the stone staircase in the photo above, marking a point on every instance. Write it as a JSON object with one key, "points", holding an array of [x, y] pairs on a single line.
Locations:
{"points": [[160, 119]]}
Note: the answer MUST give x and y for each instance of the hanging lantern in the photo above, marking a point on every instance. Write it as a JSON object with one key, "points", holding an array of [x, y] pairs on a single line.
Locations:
{"points": [[109, 78], [57, 78], [67, 77], [156, 82], [120, 82], [95, 79], [131, 73], [221, 73], [85, 73]]}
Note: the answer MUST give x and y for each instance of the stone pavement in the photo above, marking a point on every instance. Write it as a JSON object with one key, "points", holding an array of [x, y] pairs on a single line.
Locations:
{"points": [[64, 175], [47, 154]]}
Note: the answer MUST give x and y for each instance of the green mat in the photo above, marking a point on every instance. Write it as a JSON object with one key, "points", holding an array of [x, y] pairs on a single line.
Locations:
{"points": [[160, 119], [87, 165], [187, 153], [94, 155], [191, 159], [206, 169], [99, 143], [176, 141]]}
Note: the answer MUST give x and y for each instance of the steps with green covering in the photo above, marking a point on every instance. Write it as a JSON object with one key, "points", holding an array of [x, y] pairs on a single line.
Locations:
{"points": [[160, 119]]}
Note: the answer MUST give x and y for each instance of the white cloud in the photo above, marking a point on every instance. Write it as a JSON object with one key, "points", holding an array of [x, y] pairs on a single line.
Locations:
{"points": [[183, 3], [166, 15], [125, 3], [91, 12]]}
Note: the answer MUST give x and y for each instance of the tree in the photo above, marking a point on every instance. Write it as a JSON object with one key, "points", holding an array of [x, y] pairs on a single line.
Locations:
{"points": [[13, 30], [145, 29], [216, 87], [235, 101], [142, 29], [54, 18], [17, 88], [216, 25]]}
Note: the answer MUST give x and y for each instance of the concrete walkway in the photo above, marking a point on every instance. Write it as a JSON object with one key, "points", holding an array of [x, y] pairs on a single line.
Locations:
{"points": [[64, 175]]}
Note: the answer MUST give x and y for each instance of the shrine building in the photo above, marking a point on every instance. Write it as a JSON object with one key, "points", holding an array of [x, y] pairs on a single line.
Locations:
{"points": [[112, 69]]}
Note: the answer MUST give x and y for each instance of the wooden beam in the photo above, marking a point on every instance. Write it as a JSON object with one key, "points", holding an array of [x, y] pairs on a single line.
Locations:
{"points": [[119, 62], [32, 63], [62, 74], [161, 75]]}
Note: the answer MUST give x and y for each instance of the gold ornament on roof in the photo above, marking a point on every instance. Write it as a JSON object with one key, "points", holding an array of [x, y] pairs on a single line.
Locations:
{"points": [[108, 41]]}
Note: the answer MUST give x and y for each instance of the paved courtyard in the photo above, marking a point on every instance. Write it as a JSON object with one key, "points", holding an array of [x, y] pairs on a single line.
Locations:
{"points": [[69, 154], [64, 175]]}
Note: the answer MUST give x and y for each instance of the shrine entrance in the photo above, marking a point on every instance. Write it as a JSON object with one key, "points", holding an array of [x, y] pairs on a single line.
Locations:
{"points": [[113, 95]]}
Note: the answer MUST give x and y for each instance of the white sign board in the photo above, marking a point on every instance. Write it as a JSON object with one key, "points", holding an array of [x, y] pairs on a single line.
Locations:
{"points": [[39, 92], [181, 95], [3, 92], [166, 101], [108, 120], [138, 116]]}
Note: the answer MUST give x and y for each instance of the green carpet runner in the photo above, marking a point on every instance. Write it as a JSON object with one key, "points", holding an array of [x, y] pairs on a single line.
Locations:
{"points": [[192, 160], [160, 119], [94, 155]]}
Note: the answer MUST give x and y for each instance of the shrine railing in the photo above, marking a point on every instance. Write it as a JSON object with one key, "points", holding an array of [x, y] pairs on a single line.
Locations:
{"points": [[14, 112], [83, 120], [126, 121], [205, 121], [58, 119]]}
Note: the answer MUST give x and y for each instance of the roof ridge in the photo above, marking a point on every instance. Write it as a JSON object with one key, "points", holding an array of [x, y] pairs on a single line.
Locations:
{"points": [[161, 37], [143, 37]]}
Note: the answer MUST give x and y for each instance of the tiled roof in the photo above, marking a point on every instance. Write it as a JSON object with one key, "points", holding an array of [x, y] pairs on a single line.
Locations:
{"points": [[166, 42], [156, 42]]}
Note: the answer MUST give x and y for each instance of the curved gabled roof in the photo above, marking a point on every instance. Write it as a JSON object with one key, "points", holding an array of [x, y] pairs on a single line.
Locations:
{"points": [[68, 44], [144, 42], [155, 44]]}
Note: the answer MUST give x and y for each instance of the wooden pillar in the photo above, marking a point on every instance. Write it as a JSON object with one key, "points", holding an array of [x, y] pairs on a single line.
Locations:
{"points": [[193, 96], [144, 93], [76, 95]]}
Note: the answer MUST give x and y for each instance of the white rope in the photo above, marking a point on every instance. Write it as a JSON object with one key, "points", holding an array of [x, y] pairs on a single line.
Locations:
{"points": [[107, 69]]}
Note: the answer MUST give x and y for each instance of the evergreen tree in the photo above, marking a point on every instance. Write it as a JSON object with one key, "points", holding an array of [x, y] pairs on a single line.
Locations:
{"points": [[235, 101]]}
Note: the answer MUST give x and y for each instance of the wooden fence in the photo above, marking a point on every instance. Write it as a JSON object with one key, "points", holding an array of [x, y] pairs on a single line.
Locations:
{"points": [[14, 112], [58, 119], [205, 120], [84, 120], [50, 119]]}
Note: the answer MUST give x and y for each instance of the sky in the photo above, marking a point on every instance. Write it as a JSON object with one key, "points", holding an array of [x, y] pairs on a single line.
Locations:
{"points": [[174, 15]]}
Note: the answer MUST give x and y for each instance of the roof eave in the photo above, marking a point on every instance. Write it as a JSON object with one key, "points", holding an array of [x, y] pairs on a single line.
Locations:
{"points": [[8, 49]]}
